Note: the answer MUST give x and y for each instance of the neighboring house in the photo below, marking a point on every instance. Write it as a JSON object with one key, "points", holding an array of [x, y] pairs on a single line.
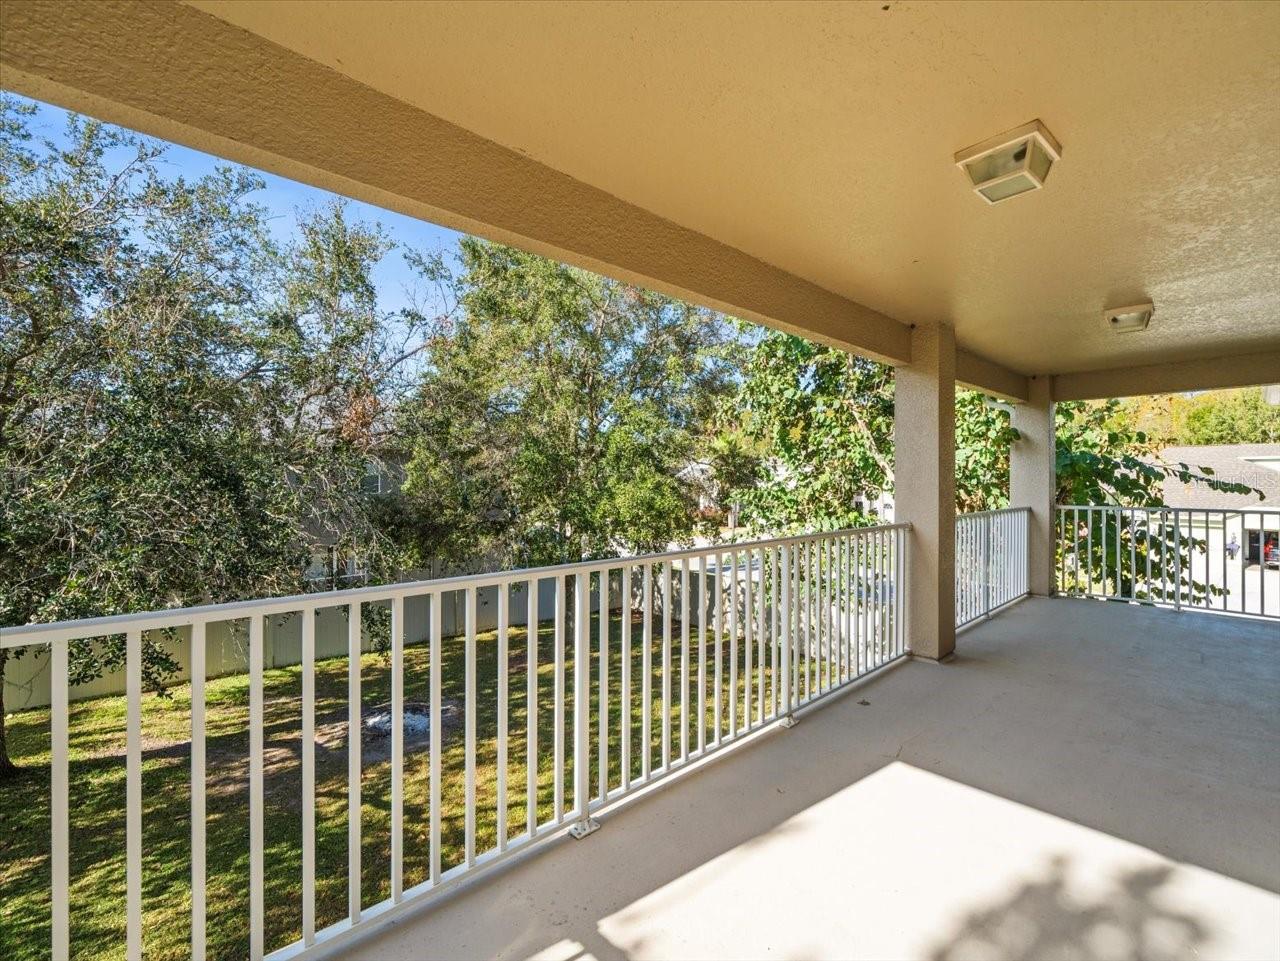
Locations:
{"points": [[879, 506], [1257, 465], [331, 560]]}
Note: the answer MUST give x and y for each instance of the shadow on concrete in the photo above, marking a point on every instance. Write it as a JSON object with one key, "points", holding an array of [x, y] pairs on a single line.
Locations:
{"points": [[1130, 722], [1044, 919]]}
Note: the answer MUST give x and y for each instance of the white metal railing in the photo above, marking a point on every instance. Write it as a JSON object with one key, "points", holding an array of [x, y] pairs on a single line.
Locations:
{"points": [[1226, 561], [790, 620], [991, 561]]}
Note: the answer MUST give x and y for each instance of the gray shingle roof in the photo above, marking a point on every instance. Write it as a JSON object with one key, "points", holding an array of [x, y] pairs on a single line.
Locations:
{"points": [[1238, 463]]}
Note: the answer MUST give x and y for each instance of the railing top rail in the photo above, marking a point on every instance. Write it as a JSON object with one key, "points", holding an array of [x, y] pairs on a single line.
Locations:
{"points": [[998, 510], [53, 631], [1169, 508]]}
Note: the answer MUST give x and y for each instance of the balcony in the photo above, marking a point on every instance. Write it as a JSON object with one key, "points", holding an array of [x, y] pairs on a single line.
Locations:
{"points": [[1083, 780], [1091, 776]]}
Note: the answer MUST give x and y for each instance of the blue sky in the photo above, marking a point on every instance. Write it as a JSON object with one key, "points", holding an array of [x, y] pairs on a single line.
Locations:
{"points": [[282, 198]]}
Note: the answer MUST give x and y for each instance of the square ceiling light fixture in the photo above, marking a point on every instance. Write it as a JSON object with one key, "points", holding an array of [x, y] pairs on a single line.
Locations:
{"points": [[1012, 163], [1128, 320]]}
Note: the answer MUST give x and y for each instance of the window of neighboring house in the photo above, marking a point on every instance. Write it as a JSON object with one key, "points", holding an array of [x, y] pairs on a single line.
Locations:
{"points": [[373, 480], [330, 564], [319, 566]]}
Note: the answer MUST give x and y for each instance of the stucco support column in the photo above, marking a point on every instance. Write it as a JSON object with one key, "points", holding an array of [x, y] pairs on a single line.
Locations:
{"points": [[1033, 481], [924, 474]]}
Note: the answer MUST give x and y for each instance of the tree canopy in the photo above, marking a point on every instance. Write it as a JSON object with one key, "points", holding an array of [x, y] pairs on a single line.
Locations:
{"points": [[183, 404], [556, 413], [1239, 416]]}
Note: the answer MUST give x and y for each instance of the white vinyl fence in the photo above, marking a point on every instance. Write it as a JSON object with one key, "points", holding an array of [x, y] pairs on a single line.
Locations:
{"points": [[27, 680], [730, 639]]}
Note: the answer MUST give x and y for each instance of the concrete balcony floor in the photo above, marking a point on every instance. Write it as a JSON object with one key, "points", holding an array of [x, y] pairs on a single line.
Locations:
{"points": [[1084, 780]]}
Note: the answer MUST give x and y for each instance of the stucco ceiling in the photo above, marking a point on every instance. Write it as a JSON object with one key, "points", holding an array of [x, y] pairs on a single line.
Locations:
{"points": [[819, 138]]}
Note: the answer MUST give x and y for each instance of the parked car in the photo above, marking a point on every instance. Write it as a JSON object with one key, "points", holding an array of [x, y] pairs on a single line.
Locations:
{"points": [[1272, 556]]}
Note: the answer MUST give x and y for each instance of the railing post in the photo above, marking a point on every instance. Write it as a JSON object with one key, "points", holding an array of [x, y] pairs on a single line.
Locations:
{"points": [[788, 720], [585, 824]]}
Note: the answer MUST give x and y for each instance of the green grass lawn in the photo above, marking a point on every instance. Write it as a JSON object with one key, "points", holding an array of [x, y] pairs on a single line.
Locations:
{"points": [[97, 785]]}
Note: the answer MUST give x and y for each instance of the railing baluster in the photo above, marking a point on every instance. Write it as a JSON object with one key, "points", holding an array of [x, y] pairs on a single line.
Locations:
{"points": [[718, 628], [504, 671], [1262, 562], [1103, 552], [868, 599], [1223, 552], [832, 608], [308, 777], [846, 610], [666, 666], [810, 617], [775, 629], [1133, 556], [748, 637], [816, 589], [877, 596], [794, 629], [761, 605], [899, 593], [397, 749], [646, 678], [815, 618], [813, 649], [602, 713], [558, 739], [255, 788], [436, 722], [733, 644], [624, 718], [582, 699], [835, 610], [786, 633], [702, 653], [133, 837], [59, 790], [855, 632], [198, 875], [684, 660], [354, 727], [530, 706], [469, 698]]}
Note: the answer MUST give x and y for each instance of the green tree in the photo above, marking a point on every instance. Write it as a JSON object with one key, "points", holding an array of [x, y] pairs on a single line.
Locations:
{"points": [[1226, 417], [732, 467], [823, 422], [1238, 416], [555, 413], [984, 434], [1104, 459], [183, 407]]}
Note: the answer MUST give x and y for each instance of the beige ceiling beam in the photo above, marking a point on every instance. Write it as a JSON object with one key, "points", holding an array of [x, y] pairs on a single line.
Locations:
{"points": [[177, 73], [1210, 373], [989, 377]]}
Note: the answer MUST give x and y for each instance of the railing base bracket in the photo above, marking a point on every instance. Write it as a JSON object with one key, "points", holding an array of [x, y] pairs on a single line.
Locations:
{"points": [[582, 828], [788, 722]]}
